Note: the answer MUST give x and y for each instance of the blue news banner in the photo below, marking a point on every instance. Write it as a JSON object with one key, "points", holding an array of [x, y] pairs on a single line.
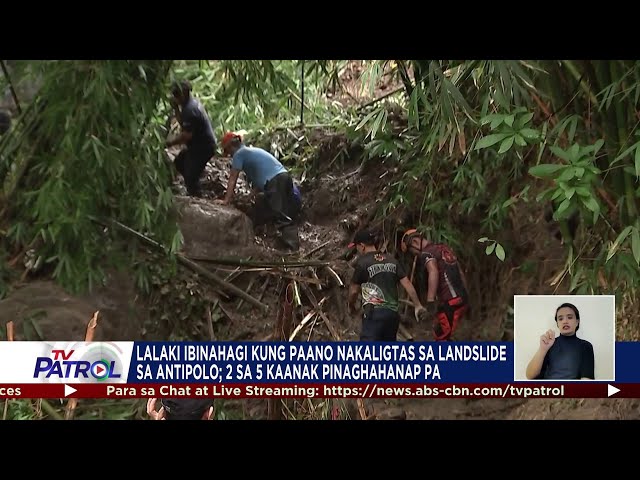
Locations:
{"points": [[339, 362]]}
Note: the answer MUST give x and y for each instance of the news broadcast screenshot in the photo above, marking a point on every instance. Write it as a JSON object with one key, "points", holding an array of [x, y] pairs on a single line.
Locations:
{"points": [[319, 240]]}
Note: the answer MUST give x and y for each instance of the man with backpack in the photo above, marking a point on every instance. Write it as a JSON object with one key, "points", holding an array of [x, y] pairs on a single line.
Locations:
{"points": [[376, 278], [447, 298]]}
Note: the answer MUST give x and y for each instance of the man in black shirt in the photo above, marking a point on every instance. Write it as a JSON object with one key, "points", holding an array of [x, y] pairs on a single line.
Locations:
{"points": [[197, 134], [565, 357], [376, 276]]}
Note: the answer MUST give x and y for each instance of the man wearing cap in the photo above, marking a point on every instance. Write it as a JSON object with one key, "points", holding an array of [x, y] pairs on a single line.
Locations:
{"points": [[265, 174], [446, 282], [376, 277], [197, 134], [180, 409]]}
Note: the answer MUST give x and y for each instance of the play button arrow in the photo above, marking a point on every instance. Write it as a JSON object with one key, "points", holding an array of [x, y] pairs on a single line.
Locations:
{"points": [[611, 390], [69, 390]]}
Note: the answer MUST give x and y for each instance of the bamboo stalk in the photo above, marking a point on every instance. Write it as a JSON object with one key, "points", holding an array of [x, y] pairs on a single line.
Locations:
{"points": [[91, 329], [249, 287], [336, 276], [10, 337], [11, 87], [314, 250], [332, 329], [212, 334], [241, 262]]}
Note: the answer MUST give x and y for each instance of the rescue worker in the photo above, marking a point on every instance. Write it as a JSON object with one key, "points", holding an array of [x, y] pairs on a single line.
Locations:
{"points": [[376, 277], [197, 134], [447, 298], [180, 409], [265, 174]]}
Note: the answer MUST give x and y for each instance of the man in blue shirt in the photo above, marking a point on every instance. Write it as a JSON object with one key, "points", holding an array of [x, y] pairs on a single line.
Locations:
{"points": [[265, 174], [197, 134]]}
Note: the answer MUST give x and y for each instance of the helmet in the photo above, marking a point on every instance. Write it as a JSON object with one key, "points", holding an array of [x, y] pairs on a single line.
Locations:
{"points": [[228, 138], [406, 239]]}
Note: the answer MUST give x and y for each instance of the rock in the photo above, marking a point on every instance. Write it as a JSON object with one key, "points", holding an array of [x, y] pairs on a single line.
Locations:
{"points": [[211, 230]]}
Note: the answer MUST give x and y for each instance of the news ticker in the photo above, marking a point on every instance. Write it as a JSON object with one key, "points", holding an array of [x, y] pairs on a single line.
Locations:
{"points": [[236, 391]]}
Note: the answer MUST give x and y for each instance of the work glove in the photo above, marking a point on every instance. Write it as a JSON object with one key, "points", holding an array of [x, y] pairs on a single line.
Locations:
{"points": [[431, 308], [421, 314]]}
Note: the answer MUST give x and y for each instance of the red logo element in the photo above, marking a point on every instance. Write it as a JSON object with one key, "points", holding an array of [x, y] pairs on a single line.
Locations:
{"points": [[99, 369], [448, 256]]}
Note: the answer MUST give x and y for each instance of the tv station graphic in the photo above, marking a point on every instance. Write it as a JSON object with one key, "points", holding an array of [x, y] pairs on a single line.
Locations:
{"points": [[290, 370]]}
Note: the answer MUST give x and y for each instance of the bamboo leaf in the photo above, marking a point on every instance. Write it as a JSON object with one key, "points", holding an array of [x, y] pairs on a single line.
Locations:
{"points": [[635, 244], [575, 278], [525, 119], [490, 118], [483, 239], [490, 248], [507, 143], [563, 206], [572, 129], [638, 161], [509, 120], [520, 140], [496, 122], [591, 204], [545, 170], [567, 174], [500, 252], [490, 140], [560, 153], [615, 245]]}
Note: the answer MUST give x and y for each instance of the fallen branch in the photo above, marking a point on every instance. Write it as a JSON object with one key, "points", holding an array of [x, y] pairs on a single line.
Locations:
{"points": [[335, 275], [212, 334], [193, 266], [319, 247], [316, 306], [264, 287], [376, 100], [249, 287], [91, 329], [305, 320], [294, 277], [241, 262]]}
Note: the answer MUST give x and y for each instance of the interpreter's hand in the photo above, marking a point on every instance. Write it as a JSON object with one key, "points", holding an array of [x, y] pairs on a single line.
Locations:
{"points": [[421, 314], [547, 340], [151, 410]]}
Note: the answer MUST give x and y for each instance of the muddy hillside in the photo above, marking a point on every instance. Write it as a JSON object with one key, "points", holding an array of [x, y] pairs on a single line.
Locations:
{"points": [[232, 289]]}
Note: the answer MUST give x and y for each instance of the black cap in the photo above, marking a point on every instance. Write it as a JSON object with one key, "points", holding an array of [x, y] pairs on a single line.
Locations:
{"points": [[363, 236], [186, 408]]}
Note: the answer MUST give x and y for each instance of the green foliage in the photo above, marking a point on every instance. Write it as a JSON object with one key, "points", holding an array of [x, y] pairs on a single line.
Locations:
{"points": [[493, 247], [258, 94], [98, 154], [574, 180]]}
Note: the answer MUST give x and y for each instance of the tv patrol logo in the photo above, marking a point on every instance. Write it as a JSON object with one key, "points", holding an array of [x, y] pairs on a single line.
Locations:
{"points": [[81, 362]]}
